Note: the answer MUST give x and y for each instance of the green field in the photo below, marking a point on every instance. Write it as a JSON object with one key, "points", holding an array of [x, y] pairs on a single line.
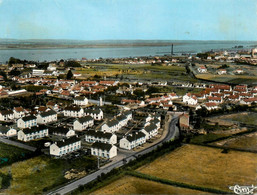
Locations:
{"points": [[39, 174], [205, 167], [248, 142], [133, 185], [199, 139], [9, 154], [247, 118], [138, 71], [232, 79]]}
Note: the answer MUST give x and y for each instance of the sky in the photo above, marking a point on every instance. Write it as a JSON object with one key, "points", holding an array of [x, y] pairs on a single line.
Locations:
{"points": [[129, 19]]}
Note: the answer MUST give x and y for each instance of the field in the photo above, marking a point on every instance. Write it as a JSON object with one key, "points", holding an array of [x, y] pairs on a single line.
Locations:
{"points": [[38, 174], [138, 71], [232, 79], [10, 153], [249, 118], [205, 167], [133, 185], [248, 142], [199, 139]]}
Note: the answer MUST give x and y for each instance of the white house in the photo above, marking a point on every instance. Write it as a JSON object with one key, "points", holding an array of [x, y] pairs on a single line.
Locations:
{"points": [[202, 69], [18, 112], [73, 111], [222, 71], [83, 123], [99, 136], [32, 133], [211, 105], [133, 140], [27, 121], [6, 115], [7, 131], [65, 146], [61, 131], [80, 101], [190, 99], [47, 117], [97, 113], [111, 126], [150, 131], [103, 150]]}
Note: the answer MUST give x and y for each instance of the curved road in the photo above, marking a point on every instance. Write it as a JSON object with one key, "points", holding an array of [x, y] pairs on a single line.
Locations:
{"points": [[172, 133]]}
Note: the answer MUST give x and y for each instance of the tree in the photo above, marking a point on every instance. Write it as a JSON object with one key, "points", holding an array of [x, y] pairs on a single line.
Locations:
{"points": [[69, 75], [72, 64]]}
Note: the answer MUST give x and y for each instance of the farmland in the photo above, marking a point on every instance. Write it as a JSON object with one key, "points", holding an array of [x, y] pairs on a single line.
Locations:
{"points": [[204, 166], [133, 185], [138, 71], [248, 142], [10, 154], [41, 173]]}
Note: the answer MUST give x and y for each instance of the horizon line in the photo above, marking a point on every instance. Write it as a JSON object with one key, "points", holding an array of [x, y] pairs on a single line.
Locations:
{"points": [[67, 39]]}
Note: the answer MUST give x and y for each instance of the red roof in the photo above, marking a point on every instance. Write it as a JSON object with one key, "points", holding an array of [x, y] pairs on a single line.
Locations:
{"points": [[210, 104], [107, 82], [214, 98]]}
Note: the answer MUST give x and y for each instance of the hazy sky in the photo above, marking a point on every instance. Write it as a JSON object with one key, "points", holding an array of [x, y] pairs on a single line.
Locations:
{"points": [[129, 19]]}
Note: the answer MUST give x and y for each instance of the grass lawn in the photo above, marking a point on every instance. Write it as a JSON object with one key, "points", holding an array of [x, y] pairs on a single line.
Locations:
{"points": [[205, 166], [139, 71], [9, 154], [248, 142], [41, 173], [133, 185], [247, 118], [199, 139], [233, 79]]}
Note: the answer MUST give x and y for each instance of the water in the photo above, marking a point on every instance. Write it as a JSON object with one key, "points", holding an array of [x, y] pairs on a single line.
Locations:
{"points": [[116, 52]]}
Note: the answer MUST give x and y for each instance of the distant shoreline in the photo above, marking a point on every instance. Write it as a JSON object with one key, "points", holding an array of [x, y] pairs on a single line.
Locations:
{"points": [[64, 46]]}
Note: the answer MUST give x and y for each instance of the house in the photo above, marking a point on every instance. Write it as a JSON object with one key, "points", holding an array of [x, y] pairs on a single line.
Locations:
{"points": [[96, 113], [215, 99], [7, 131], [109, 83], [222, 71], [184, 122], [239, 71], [18, 112], [88, 83], [133, 140], [103, 150], [27, 121], [111, 126], [202, 69], [190, 99], [65, 146], [6, 115], [47, 117], [52, 105], [150, 131], [32, 133], [248, 101], [99, 136], [73, 111], [61, 131], [80, 101], [211, 105], [83, 123]]}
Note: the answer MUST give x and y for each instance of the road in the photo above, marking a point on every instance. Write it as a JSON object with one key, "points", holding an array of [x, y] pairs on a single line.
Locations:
{"points": [[17, 144], [172, 133]]}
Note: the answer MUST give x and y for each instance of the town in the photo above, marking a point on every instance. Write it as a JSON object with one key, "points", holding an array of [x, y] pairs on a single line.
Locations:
{"points": [[111, 109]]}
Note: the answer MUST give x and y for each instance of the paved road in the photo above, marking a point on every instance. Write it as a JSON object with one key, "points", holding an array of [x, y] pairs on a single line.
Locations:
{"points": [[17, 144], [173, 132]]}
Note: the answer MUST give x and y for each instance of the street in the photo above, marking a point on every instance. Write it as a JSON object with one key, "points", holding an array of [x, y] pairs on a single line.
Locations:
{"points": [[172, 133]]}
